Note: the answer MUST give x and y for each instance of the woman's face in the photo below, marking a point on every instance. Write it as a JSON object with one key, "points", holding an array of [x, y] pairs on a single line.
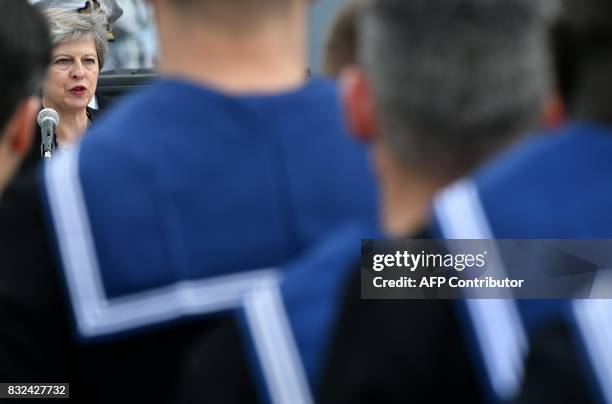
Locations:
{"points": [[73, 75]]}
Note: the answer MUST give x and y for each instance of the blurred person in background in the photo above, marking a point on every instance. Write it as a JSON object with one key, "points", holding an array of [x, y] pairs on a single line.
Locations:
{"points": [[174, 204], [440, 86], [135, 45], [24, 56], [339, 48]]}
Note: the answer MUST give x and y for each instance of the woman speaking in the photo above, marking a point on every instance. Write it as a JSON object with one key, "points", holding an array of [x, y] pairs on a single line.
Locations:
{"points": [[80, 45], [80, 31]]}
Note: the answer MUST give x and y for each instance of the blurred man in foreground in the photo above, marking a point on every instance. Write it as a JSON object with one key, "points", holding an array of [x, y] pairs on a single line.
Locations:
{"points": [[551, 187], [441, 86], [178, 201], [25, 52], [559, 187], [339, 48]]}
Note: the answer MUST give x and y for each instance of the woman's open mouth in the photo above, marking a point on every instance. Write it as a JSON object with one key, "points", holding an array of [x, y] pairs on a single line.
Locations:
{"points": [[78, 91]]}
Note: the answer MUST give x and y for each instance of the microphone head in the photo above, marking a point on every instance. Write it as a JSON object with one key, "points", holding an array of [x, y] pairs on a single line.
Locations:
{"points": [[48, 114]]}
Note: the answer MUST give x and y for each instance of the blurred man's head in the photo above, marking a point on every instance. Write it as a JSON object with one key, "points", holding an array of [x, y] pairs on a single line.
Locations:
{"points": [[25, 50], [237, 46], [341, 42], [444, 83], [453, 80], [238, 18], [583, 50], [223, 12]]}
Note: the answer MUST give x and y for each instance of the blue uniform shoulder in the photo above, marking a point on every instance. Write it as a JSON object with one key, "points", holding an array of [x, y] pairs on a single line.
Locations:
{"points": [[551, 186]]}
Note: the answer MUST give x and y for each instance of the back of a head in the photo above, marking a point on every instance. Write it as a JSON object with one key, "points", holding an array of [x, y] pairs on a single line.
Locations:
{"points": [[341, 41], [589, 16], [583, 49], [234, 14], [25, 51], [454, 80]]}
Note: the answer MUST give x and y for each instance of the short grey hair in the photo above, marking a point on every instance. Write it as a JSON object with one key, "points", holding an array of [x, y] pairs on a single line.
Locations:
{"points": [[454, 80], [67, 25]]}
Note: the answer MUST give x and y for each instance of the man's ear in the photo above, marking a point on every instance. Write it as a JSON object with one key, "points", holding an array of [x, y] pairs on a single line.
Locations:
{"points": [[358, 102], [19, 131], [553, 111]]}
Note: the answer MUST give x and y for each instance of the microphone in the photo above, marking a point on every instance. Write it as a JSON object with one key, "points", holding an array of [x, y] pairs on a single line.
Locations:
{"points": [[48, 119]]}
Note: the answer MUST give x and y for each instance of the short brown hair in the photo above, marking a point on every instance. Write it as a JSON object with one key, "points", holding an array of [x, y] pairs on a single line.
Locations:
{"points": [[341, 43]]}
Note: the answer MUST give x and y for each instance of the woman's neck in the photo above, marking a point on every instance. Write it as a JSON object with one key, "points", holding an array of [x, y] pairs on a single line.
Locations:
{"points": [[73, 123]]}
